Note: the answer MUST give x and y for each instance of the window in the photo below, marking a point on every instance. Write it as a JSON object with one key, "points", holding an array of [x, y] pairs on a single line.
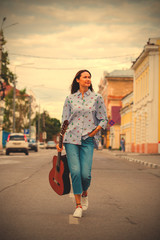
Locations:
{"points": [[16, 138]]}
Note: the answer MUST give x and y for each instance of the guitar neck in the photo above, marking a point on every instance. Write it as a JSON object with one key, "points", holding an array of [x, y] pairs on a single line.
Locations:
{"points": [[64, 127], [59, 153], [60, 140]]}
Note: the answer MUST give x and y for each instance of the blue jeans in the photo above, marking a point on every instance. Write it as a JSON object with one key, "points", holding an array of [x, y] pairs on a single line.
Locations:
{"points": [[80, 163]]}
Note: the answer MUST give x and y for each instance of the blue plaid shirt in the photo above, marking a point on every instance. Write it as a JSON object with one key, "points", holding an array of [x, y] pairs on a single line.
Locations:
{"points": [[84, 115]]}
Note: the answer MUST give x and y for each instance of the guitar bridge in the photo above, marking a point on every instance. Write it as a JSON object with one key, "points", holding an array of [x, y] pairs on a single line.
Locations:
{"points": [[56, 182]]}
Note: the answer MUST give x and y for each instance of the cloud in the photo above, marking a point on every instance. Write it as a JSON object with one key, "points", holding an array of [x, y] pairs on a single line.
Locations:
{"points": [[52, 14], [73, 30]]}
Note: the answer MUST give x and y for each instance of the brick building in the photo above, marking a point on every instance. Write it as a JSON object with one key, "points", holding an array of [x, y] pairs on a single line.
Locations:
{"points": [[113, 87]]}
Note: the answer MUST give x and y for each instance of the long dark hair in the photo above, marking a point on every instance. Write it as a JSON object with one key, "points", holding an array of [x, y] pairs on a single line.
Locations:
{"points": [[75, 84]]}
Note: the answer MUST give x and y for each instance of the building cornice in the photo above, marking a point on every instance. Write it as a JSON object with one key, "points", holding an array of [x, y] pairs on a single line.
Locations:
{"points": [[127, 107], [148, 48], [114, 79]]}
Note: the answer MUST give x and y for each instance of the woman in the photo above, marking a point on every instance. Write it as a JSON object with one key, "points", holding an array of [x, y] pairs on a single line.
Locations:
{"points": [[86, 113], [122, 144]]}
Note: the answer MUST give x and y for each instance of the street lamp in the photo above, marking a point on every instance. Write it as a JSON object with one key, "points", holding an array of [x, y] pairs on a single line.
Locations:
{"points": [[4, 19]]}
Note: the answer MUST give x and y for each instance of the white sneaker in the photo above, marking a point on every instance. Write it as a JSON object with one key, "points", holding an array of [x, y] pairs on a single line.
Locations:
{"points": [[78, 212], [84, 201]]}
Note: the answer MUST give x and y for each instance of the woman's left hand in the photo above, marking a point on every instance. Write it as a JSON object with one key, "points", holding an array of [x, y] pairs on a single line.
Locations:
{"points": [[93, 133]]}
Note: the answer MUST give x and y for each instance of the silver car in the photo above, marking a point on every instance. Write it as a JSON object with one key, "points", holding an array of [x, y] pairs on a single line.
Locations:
{"points": [[50, 144]]}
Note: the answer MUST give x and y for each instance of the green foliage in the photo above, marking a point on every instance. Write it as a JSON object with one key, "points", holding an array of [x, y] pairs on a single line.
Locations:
{"points": [[8, 112], [7, 75], [21, 107], [50, 125]]}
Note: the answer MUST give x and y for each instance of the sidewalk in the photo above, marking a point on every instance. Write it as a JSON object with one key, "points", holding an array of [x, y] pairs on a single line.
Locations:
{"points": [[2, 152], [150, 160]]}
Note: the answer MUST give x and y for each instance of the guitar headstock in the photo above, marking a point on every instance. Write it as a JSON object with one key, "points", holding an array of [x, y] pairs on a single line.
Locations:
{"points": [[64, 127]]}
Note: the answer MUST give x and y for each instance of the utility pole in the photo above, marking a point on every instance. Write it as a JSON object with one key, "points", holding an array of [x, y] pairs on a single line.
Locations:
{"points": [[39, 124], [43, 127], [14, 104], [30, 101], [1, 81]]}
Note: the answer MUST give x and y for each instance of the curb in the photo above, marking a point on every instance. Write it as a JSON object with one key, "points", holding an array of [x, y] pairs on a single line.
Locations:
{"points": [[131, 159], [148, 164]]}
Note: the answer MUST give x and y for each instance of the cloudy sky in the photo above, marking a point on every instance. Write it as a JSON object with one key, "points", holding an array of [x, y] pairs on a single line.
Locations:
{"points": [[55, 38]]}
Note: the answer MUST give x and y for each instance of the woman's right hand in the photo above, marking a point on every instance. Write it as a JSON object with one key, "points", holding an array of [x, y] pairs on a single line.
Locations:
{"points": [[58, 148]]}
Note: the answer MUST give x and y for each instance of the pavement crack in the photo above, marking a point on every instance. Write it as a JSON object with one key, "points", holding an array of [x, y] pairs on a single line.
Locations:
{"points": [[14, 184], [115, 205], [23, 180], [155, 175], [130, 221]]}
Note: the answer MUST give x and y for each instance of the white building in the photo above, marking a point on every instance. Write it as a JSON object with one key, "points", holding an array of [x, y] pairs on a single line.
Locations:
{"points": [[146, 108]]}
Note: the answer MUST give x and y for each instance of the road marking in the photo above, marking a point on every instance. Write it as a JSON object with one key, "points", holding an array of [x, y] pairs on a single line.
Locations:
{"points": [[8, 162], [73, 220], [14, 156]]}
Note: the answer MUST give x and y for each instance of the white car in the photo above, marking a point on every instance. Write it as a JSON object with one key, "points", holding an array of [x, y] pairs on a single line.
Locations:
{"points": [[42, 145], [17, 142]]}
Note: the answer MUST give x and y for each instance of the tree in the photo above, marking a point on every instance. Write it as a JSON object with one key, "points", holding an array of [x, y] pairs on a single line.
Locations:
{"points": [[50, 125], [22, 110], [22, 107], [8, 112], [7, 75]]}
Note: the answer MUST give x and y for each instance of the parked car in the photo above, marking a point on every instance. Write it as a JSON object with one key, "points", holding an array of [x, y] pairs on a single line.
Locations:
{"points": [[42, 145], [51, 145], [17, 142], [32, 145]]}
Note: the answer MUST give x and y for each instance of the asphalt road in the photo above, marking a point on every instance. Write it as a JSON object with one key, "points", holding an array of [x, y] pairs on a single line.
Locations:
{"points": [[124, 201]]}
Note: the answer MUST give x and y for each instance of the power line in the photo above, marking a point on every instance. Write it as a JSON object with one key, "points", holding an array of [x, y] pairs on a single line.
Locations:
{"points": [[71, 58], [72, 68]]}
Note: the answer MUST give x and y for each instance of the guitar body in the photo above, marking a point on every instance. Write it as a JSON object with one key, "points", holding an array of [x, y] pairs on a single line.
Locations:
{"points": [[59, 178]]}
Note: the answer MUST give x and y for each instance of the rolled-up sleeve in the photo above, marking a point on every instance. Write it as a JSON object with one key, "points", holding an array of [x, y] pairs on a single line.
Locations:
{"points": [[66, 110], [101, 113]]}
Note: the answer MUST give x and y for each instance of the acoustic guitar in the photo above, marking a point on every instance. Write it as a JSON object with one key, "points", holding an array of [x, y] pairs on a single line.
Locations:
{"points": [[59, 174]]}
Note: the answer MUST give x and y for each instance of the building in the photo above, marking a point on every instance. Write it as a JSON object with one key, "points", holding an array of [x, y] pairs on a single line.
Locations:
{"points": [[146, 107], [126, 121], [113, 87]]}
